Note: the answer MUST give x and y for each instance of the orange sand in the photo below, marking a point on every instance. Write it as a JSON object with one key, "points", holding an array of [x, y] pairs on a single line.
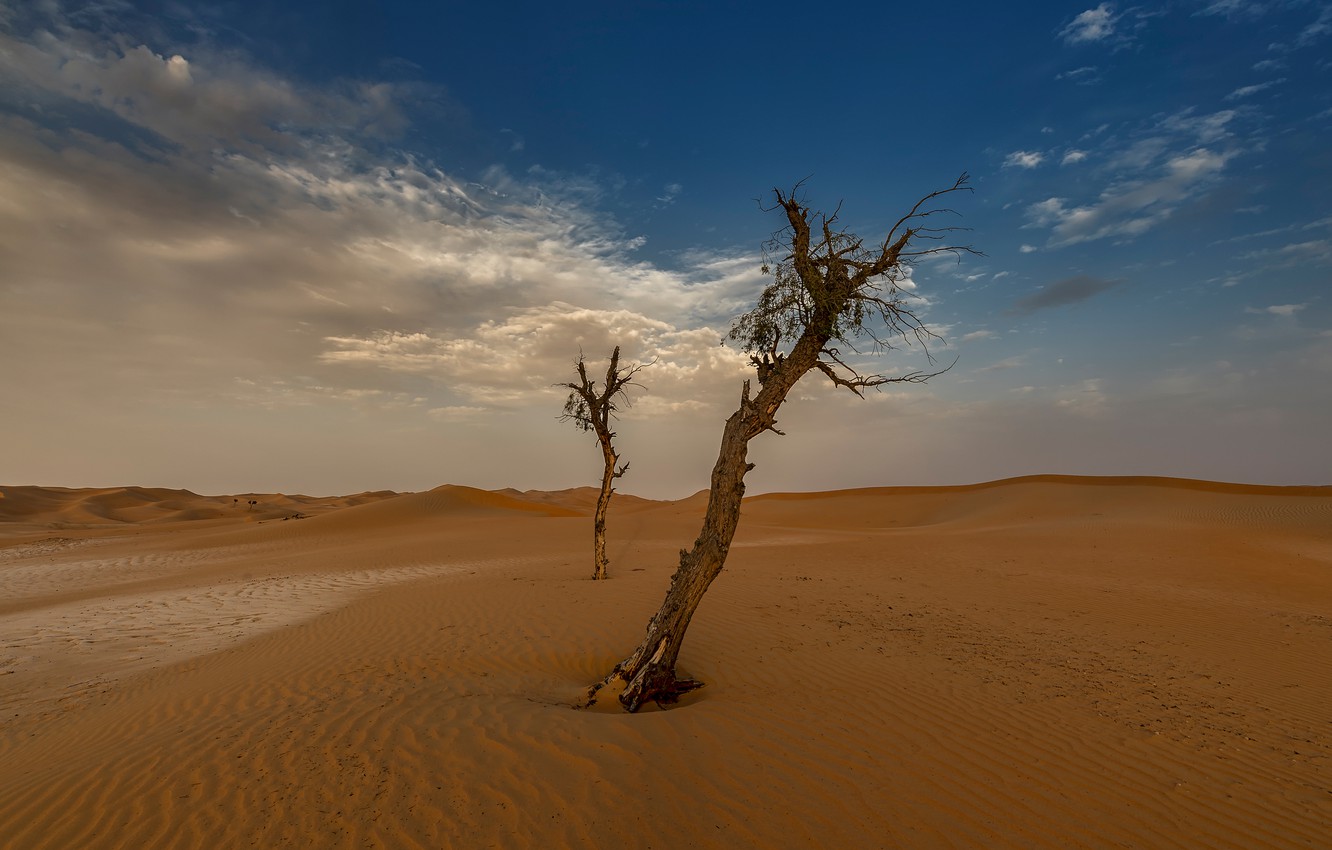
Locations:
{"points": [[1037, 663]]}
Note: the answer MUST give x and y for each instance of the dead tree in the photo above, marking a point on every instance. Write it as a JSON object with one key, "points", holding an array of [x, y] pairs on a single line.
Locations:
{"points": [[592, 409], [830, 292]]}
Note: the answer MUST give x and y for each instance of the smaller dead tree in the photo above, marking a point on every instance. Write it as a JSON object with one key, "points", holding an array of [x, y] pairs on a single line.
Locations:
{"points": [[591, 408]]}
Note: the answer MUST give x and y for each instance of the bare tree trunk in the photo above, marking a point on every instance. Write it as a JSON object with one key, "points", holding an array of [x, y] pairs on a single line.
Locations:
{"points": [[823, 290], [600, 564], [649, 673], [593, 410]]}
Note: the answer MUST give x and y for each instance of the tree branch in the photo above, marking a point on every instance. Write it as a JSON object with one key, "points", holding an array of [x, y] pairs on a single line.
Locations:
{"points": [[959, 185]]}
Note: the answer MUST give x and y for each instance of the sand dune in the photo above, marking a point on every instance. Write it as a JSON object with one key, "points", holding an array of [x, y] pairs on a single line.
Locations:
{"points": [[442, 503], [1036, 663], [583, 499], [26, 508]]}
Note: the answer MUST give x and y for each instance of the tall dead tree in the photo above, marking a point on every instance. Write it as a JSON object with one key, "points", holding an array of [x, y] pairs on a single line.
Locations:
{"points": [[592, 409], [830, 292]]}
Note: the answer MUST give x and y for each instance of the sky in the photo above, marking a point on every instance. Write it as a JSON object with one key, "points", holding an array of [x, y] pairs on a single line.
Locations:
{"points": [[332, 247]]}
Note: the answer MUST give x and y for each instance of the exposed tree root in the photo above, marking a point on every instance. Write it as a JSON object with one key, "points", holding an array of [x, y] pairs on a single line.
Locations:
{"points": [[652, 684], [655, 678]]}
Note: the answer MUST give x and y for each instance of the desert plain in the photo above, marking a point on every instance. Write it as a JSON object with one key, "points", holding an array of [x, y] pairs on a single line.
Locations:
{"points": [[1043, 662]]}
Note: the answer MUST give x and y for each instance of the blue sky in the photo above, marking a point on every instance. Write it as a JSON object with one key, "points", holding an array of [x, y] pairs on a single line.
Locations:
{"points": [[341, 246]]}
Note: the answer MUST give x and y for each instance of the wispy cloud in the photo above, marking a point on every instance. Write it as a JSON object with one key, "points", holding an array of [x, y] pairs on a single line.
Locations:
{"points": [[1205, 128], [1324, 223], [510, 361], [1092, 25], [1129, 208], [669, 193], [202, 203], [1283, 310], [1311, 33], [1024, 159], [516, 142], [1085, 76], [1087, 398], [1017, 361], [1149, 172], [1312, 252], [1249, 91], [1318, 29], [1235, 8]]}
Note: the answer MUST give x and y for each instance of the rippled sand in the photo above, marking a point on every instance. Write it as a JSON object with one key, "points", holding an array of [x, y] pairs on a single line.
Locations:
{"points": [[1035, 663]]}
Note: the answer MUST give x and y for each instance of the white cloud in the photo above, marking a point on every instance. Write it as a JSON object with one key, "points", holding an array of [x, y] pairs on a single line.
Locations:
{"points": [[1086, 399], [669, 193], [1138, 155], [1047, 212], [1248, 91], [1312, 252], [1274, 231], [1014, 362], [511, 361], [1073, 156], [1028, 249], [1203, 128], [273, 224], [1194, 165], [977, 335], [1235, 8], [1023, 159], [1284, 310], [1084, 76], [1092, 25], [1132, 207], [1318, 29]]}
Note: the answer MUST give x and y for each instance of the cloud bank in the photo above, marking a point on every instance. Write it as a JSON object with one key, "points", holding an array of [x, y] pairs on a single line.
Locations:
{"points": [[206, 222]]}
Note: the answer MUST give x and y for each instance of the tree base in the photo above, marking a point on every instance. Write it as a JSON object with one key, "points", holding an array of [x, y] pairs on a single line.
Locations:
{"points": [[659, 686]]}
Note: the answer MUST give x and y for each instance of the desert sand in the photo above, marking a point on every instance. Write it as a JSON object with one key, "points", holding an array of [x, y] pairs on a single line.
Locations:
{"points": [[1044, 662]]}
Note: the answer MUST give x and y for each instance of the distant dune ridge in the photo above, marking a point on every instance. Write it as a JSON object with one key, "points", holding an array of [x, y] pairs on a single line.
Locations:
{"points": [[61, 505], [1042, 662]]}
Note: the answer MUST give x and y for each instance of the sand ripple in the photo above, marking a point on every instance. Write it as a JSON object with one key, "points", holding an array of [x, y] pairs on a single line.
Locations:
{"points": [[1032, 666], [62, 650]]}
